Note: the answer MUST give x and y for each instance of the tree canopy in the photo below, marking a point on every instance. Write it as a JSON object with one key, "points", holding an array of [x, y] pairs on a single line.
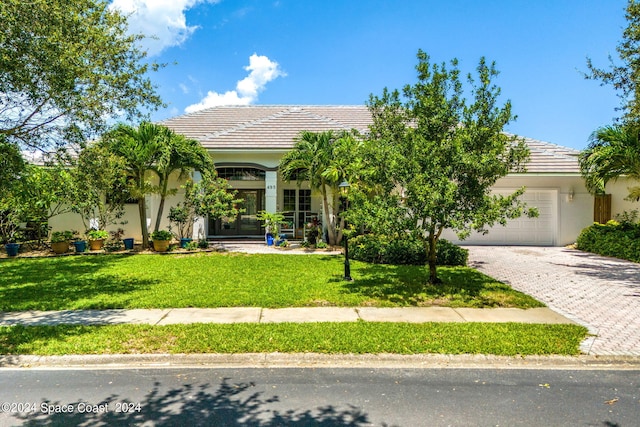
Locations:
{"points": [[66, 68], [624, 76], [613, 152], [432, 158]]}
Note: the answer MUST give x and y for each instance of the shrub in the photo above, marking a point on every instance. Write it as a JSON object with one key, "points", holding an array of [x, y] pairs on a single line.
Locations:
{"points": [[97, 234], [161, 235], [616, 239], [61, 236], [408, 250], [450, 254]]}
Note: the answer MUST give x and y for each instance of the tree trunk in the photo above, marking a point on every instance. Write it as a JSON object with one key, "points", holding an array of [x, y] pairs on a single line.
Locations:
{"points": [[163, 195], [142, 210], [328, 220], [159, 216], [430, 246]]}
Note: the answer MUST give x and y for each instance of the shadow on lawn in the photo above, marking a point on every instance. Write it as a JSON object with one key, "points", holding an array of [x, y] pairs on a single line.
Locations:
{"points": [[53, 284], [409, 285], [228, 405]]}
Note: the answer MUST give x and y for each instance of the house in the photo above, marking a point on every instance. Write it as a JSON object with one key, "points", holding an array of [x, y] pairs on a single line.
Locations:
{"points": [[247, 142]]}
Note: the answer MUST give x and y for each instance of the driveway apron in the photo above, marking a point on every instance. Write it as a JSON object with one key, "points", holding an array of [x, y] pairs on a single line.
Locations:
{"points": [[598, 292]]}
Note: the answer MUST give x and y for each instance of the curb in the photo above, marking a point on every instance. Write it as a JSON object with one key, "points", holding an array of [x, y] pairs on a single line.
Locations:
{"points": [[316, 360]]}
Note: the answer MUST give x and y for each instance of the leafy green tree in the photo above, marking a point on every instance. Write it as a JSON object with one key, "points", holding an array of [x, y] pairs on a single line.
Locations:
{"points": [[46, 192], [432, 158], [99, 186], [12, 164], [323, 159], [613, 152], [178, 154], [67, 68], [211, 197]]}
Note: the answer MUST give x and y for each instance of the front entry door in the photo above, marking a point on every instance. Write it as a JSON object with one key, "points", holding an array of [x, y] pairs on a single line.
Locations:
{"points": [[245, 223]]}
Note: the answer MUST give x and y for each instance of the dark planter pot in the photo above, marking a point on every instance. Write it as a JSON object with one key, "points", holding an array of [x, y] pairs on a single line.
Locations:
{"points": [[12, 249], [80, 246], [184, 241], [128, 243], [269, 239]]}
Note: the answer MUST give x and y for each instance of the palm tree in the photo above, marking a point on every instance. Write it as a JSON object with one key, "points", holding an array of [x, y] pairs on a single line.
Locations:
{"points": [[321, 158], [613, 151], [177, 153], [141, 150]]}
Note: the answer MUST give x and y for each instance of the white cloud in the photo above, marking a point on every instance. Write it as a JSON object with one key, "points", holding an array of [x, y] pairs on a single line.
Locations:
{"points": [[261, 71], [162, 21]]}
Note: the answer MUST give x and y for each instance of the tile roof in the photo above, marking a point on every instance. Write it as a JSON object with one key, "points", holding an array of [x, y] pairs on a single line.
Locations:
{"points": [[272, 127]]}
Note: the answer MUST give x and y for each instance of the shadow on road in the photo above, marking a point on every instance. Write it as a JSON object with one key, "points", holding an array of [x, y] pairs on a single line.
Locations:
{"points": [[229, 405]]}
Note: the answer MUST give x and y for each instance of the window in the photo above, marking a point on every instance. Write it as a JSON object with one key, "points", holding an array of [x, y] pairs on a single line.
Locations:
{"points": [[241, 174], [289, 200], [304, 202]]}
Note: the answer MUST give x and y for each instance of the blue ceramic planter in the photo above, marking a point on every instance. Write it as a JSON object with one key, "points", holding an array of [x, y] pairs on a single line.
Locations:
{"points": [[128, 243], [12, 249], [80, 245], [184, 241], [269, 239]]}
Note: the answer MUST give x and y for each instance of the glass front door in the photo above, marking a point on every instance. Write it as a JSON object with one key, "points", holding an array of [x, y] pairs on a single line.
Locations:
{"points": [[245, 223]]}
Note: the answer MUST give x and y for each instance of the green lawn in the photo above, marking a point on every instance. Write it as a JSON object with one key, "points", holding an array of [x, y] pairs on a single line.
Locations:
{"points": [[507, 339], [226, 280]]}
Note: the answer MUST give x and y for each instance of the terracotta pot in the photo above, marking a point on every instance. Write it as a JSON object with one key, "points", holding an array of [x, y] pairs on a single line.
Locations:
{"points": [[60, 247], [96, 245], [161, 245]]}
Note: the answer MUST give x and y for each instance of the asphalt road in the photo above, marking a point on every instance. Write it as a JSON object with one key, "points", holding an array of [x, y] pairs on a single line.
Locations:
{"points": [[324, 397]]}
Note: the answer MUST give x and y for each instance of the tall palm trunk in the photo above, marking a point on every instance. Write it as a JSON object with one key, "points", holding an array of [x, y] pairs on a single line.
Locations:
{"points": [[163, 192]]}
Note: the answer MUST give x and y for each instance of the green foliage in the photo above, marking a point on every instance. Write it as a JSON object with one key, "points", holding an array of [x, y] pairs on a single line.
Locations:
{"points": [[323, 159], [67, 69], [624, 77], [406, 250], [12, 164], [432, 158], [161, 235], [99, 186], [613, 152], [61, 236], [178, 154], [97, 234], [182, 216], [212, 197], [620, 240], [203, 244], [271, 221]]}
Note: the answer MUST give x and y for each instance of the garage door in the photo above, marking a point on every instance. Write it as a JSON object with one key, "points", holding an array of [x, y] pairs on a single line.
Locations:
{"points": [[540, 231]]}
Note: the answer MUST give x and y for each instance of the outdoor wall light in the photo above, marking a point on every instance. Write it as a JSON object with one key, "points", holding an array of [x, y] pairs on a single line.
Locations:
{"points": [[570, 195]]}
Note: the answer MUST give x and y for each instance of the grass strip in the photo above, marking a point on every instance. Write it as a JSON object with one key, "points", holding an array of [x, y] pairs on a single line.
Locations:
{"points": [[232, 280], [506, 339]]}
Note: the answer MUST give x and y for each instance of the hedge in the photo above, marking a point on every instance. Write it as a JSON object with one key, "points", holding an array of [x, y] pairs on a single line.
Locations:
{"points": [[620, 240], [387, 250]]}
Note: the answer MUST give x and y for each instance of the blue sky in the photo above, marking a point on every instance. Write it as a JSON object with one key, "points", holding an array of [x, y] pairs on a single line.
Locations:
{"points": [[339, 52]]}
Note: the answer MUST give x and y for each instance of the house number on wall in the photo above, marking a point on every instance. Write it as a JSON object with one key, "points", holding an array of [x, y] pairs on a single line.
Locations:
{"points": [[271, 187]]}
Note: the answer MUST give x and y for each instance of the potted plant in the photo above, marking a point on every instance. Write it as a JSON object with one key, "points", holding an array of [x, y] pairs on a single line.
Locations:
{"points": [[9, 225], [97, 238], [271, 223], [182, 216], [161, 240], [60, 241]]}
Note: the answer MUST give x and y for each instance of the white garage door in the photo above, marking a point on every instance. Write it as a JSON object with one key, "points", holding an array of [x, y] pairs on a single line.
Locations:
{"points": [[540, 231]]}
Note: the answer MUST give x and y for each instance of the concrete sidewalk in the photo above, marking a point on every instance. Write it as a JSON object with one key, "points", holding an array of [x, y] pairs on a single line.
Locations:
{"points": [[266, 315]]}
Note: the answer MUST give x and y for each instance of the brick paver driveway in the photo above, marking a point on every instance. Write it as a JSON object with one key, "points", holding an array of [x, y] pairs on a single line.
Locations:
{"points": [[600, 293]]}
